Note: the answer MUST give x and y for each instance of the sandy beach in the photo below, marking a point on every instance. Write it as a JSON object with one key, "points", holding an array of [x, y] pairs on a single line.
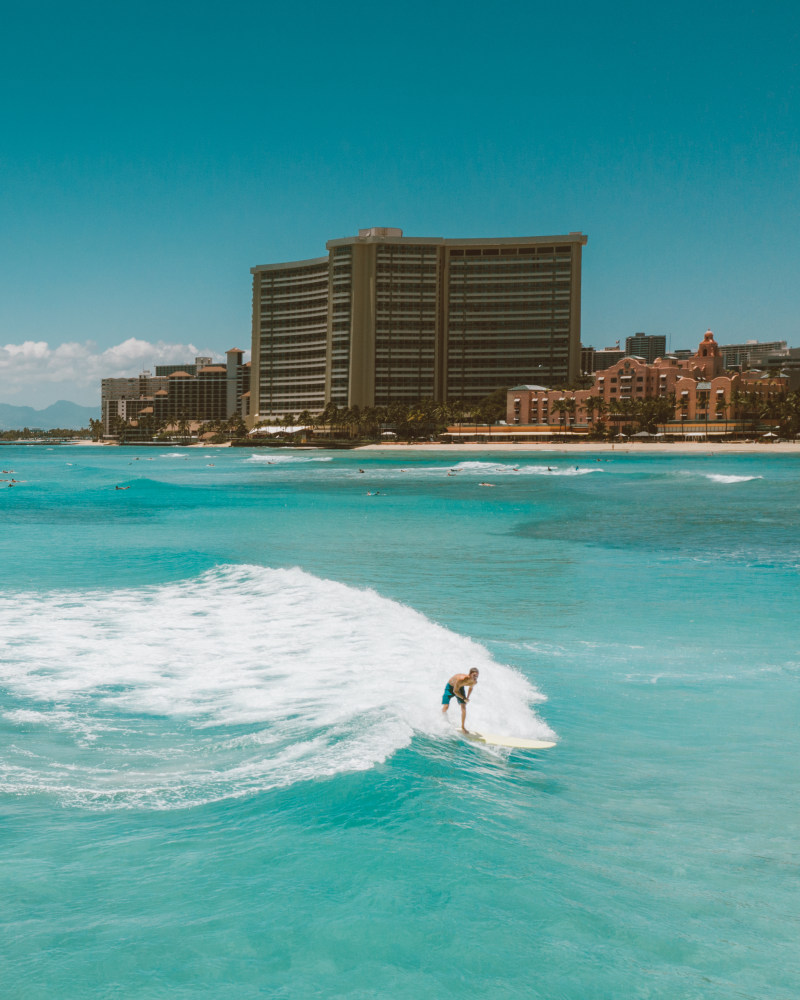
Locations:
{"points": [[573, 448], [676, 447], [560, 448]]}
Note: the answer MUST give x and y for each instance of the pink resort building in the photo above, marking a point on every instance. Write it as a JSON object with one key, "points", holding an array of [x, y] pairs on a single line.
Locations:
{"points": [[699, 398]]}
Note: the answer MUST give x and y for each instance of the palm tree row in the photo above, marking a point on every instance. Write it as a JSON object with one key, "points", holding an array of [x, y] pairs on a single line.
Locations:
{"points": [[148, 427], [411, 421], [779, 410], [426, 418]]}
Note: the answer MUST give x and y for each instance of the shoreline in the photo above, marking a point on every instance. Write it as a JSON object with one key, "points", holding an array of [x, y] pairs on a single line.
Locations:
{"points": [[527, 447], [606, 447]]}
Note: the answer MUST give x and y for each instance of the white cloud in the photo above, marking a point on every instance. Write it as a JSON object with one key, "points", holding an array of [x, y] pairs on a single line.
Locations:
{"points": [[35, 373]]}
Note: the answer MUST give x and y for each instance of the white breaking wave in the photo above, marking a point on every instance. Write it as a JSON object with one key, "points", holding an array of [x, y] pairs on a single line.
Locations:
{"points": [[274, 458], [239, 680], [717, 477], [496, 469]]}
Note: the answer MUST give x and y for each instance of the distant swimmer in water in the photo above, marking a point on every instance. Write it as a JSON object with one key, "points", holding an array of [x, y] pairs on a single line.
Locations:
{"points": [[456, 688], [487, 484], [122, 487]]}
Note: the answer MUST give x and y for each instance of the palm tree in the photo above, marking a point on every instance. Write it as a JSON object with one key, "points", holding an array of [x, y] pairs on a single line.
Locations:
{"points": [[180, 422], [443, 415], [370, 422], [397, 416], [236, 426], [560, 406], [738, 403], [618, 412], [329, 416], [117, 426], [571, 406], [596, 405]]}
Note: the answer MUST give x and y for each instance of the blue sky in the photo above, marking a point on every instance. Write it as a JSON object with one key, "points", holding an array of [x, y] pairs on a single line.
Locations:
{"points": [[151, 154]]}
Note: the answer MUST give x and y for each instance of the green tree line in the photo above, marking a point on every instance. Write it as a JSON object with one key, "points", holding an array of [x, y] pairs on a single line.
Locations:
{"points": [[426, 418], [409, 421]]}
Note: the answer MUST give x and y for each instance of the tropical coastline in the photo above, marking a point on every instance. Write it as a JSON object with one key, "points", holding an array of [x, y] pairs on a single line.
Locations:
{"points": [[560, 448]]}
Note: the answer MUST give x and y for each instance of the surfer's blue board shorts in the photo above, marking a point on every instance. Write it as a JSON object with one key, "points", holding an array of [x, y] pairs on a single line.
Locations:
{"points": [[450, 693]]}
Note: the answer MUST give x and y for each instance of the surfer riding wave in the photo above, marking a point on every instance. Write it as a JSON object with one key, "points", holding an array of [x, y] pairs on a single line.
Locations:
{"points": [[456, 688]]}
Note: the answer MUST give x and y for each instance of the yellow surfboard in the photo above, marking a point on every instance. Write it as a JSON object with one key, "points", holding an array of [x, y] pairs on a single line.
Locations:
{"points": [[511, 741]]}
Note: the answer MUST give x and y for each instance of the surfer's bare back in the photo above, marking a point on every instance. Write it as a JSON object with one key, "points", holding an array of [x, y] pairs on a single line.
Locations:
{"points": [[457, 687]]}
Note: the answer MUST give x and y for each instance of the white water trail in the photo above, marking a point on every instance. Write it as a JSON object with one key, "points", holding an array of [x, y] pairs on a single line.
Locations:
{"points": [[239, 680]]}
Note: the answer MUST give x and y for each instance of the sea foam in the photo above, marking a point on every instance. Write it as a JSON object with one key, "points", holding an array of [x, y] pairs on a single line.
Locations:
{"points": [[718, 477], [275, 458], [523, 470], [236, 681]]}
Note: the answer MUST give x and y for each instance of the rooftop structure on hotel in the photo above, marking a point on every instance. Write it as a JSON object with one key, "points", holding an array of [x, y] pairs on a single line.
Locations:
{"points": [[385, 318]]}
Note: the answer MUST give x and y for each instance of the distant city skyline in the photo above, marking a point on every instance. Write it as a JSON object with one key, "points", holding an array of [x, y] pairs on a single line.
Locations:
{"points": [[148, 160]]}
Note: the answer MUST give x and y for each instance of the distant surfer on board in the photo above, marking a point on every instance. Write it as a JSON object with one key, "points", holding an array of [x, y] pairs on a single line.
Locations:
{"points": [[457, 688]]}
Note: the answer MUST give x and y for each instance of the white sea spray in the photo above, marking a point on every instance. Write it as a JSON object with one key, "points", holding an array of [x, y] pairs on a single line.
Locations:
{"points": [[243, 678]]}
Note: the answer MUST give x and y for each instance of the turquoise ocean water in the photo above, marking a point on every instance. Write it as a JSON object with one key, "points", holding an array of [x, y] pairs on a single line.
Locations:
{"points": [[223, 768]]}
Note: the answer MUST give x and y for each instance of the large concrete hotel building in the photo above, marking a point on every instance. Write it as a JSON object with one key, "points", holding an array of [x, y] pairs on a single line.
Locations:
{"points": [[384, 318]]}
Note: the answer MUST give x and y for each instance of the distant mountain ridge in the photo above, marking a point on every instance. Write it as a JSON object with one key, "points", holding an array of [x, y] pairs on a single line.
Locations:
{"points": [[63, 414]]}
